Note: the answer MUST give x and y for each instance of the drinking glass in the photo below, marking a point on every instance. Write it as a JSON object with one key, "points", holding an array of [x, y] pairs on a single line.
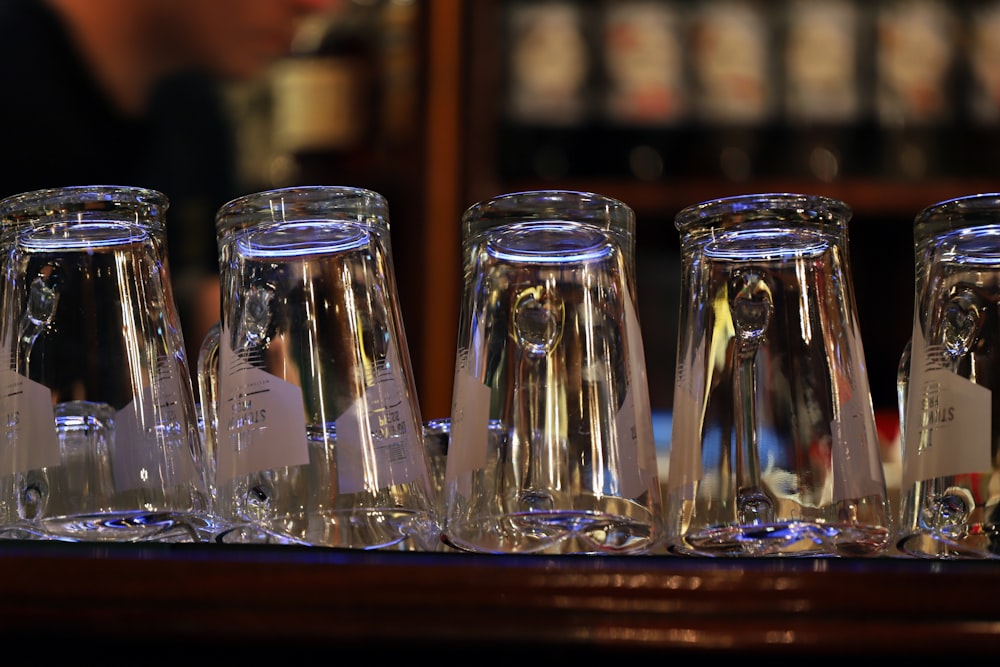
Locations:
{"points": [[100, 440], [774, 449], [308, 395], [552, 445], [950, 491]]}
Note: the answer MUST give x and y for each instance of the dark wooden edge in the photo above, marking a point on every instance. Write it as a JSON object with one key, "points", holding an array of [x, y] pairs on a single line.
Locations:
{"points": [[197, 600]]}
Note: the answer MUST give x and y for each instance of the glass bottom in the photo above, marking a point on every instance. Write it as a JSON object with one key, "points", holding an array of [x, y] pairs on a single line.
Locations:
{"points": [[553, 532], [790, 538], [129, 526], [374, 528], [950, 518], [935, 546]]}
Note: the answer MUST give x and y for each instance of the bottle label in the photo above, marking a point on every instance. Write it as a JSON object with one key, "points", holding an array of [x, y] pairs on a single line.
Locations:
{"points": [[984, 64], [821, 62], [915, 52], [318, 104], [645, 61], [549, 63], [732, 67]]}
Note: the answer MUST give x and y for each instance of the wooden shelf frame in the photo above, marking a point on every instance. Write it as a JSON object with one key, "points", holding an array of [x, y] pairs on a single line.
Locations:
{"points": [[203, 600]]}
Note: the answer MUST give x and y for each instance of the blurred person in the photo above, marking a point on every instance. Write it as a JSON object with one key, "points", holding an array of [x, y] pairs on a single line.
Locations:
{"points": [[130, 92]]}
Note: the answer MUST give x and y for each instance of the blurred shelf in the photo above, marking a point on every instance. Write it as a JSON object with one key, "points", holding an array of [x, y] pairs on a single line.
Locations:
{"points": [[166, 602], [867, 197]]}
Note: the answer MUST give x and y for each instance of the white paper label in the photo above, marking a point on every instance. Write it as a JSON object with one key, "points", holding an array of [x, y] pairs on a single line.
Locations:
{"points": [[28, 438], [637, 446], [141, 457], [685, 438], [469, 426], [262, 423], [377, 436], [629, 445], [952, 435], [857, 466], [948, 421]]}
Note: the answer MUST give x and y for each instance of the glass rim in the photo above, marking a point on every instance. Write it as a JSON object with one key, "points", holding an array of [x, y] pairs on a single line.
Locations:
{"points": [[308, 202], [549, 205], [971, 210], [759, 206], [36, 204]]}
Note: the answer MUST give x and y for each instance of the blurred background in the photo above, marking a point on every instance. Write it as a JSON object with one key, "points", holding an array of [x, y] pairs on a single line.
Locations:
{"points": [[889, 105]]}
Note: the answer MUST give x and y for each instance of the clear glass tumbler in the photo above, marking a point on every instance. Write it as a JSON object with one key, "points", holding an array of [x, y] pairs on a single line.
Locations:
{"points": [[950, 491], [551, 433], [309, 399], [100, 440], [774, 449]]}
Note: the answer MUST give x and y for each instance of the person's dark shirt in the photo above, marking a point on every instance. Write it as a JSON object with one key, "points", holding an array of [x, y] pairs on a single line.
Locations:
{"points": [[58, 128]]}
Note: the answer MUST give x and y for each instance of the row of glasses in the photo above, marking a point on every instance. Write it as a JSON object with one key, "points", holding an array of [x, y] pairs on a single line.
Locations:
{"points": [[774, 448], [306, 428]]}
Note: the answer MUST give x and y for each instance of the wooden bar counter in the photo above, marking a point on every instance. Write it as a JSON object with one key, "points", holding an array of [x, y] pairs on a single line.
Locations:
{"points": [[190, 601]]}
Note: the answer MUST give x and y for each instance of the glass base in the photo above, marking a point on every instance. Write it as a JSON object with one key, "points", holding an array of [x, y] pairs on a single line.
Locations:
{"points": [[553, 532], [792, 538], [939, 547], [375, 528], [130, 526]]}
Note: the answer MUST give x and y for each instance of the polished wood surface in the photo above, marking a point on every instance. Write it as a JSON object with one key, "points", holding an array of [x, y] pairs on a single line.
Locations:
{"points": [[170, 602]]}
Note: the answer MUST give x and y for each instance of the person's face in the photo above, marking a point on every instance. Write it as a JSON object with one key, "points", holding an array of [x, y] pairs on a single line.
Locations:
{"points": [[237, 39]]}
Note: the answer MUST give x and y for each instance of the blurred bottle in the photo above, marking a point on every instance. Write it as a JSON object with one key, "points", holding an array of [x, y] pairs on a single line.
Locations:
{"points": [[916, 67], [735, 87], [325, 97], [645, 92], [548, 90], [982, 101], [400, 81], [826, 103]]}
